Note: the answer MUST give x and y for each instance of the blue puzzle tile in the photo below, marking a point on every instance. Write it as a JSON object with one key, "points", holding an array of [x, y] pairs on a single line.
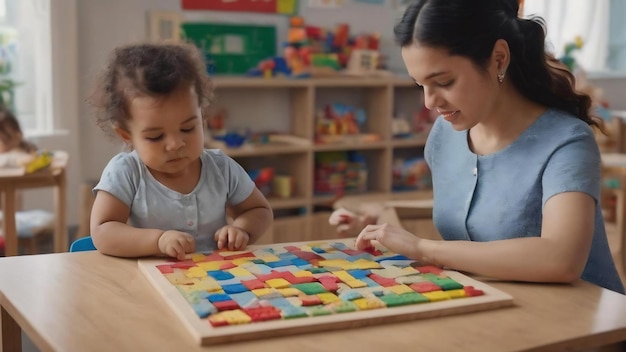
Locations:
{"points": [[220, 275], [234, 288], [204, 308], [359, 273], [244, 299], [219, 297], [278, 263]]}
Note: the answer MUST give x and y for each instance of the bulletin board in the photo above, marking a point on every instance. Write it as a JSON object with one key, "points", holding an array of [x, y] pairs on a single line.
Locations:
{"points": [[287, 7], [232, 48]]}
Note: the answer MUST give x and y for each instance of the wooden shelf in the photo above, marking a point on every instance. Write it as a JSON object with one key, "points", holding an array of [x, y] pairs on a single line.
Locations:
{"points": [[288, 106]]}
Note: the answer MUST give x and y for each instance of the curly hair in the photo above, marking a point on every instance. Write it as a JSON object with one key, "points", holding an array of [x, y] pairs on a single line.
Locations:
{"points": [[152, 70], [9, 127]]}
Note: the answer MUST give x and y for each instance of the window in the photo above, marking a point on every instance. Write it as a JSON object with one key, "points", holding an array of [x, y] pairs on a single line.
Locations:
{"points": [[25, 30]]}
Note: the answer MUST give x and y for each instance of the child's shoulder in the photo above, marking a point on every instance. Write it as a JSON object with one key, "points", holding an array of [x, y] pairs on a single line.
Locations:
{"points": [[125, 160]]}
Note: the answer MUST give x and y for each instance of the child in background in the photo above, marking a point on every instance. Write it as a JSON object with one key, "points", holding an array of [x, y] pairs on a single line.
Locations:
{"points": [[168, 195], [11, 136]]}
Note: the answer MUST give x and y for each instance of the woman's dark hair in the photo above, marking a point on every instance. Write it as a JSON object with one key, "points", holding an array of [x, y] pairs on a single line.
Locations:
{"points": [[10, 126], [471, 28], [153, 70]]}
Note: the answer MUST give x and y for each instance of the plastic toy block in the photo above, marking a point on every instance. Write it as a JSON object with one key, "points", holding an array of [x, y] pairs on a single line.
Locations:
{"points": [[256, 268], [339, 246], [373, 251], [383, 281], [329, 282], [358, 273], [211, 266], [393, 300], [198, 257], [165, 268], [307, 255], [196, 272], [303, 273], [334, 263], [269, 258], [227, 265], [344, 276], [232, 317], [398, 263], [258, 261], [289, 292], [185, 264], [287, 268], [435, 296], [414, 297], [470, 291], [263, 313], [264, 292], [350, 295], [239, 272], [319, 310], [310, 300], [278, 263], [234, 255], [287, 256], [328, 297], [245, 299], [317, 270], [300, 262], [425, 286], [235, 288], [294, 279], [253, 284], [226, 305], [278, 283], [393, 257], [204, 308], [365, 264], [343, 307], [293, 313], [310, 288], [411, 279], [390, 272], [218, 297], [178, 278], [369, 303], [369, 282], [353, 252], [272, 275], [292, 248], [397, 289], [447, 284], [460, 293], [318, 250], [240, 261], [220, 275], [334, 255], [429, 269]]}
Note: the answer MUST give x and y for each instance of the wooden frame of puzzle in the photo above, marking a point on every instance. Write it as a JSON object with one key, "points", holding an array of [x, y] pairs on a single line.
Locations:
{"points": [[290, 288]]}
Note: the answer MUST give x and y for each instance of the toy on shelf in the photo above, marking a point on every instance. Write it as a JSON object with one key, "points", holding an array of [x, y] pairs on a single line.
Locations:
{"points": [[263, 179], [411, 174], [314, 52], [338, 173], [338, 123]]}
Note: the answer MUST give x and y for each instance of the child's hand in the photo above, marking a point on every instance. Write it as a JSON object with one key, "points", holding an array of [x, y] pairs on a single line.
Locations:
{"points": [[231, 237], [348, 224], [176, 244]]}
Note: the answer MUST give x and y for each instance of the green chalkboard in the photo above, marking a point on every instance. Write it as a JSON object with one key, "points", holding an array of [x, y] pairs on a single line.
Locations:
{"points": [[230, 48]]}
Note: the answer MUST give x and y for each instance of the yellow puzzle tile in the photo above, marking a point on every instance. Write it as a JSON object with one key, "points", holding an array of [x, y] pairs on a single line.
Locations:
{"points": [[365, 264], [369, 303], [243, 260], [260, 292], [460, 293], [289, 292], [328, 297], [196, 272], [435, 296], [278, 283], [303, 273], [197, 257], [400, 289], [238, 271], [212, 266], [344, 276], [269, 258], [232, 317]]}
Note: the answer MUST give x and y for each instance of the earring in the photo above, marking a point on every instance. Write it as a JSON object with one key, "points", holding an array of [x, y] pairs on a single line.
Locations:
{"points": [[501, 77]]}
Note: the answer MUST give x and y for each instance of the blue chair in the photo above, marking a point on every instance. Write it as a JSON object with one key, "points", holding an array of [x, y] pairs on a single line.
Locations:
{"points": [[82, 244]]}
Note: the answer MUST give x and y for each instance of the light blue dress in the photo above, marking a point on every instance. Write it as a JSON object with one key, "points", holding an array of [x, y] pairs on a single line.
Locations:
{"points": [[199, 213], [502, 195]]}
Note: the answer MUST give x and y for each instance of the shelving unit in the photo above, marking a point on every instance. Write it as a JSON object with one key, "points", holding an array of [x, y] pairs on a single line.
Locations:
{"points": [[288, 107]]}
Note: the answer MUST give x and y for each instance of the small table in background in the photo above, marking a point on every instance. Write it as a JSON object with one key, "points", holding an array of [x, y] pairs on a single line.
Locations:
{"points": [[52, 176]]}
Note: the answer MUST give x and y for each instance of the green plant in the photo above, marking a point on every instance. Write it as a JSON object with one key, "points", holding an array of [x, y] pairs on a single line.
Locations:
{"points": [[7, 54]]}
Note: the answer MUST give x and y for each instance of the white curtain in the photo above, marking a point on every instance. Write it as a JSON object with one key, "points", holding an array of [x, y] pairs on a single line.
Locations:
{"points": [[566, 19]]}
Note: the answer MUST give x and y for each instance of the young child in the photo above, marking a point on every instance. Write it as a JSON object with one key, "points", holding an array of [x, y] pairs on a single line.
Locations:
{"points": [[11, 136], [168, 195]]}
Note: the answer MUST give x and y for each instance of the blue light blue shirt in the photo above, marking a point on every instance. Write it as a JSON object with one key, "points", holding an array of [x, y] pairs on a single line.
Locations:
{"points": [[502, 195], [199, 213]]}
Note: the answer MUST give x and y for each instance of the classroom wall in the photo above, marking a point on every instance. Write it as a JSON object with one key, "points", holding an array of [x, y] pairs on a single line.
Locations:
{"points": [[98, 26]]}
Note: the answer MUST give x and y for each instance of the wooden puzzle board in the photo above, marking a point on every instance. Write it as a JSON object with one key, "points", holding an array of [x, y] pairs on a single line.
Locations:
{"points": [[341, 260]]}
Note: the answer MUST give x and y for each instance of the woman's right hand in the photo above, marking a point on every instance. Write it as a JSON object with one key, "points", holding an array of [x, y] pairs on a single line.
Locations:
{"points": [[176, 244]]}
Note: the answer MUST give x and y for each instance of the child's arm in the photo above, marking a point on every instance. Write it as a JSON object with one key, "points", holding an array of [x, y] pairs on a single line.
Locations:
{"points": [[254, 216], [113, 236]]}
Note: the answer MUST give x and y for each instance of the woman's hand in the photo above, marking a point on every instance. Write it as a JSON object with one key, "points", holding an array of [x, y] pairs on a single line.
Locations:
{"points": [[176, 244], [231, 237], [394, 238], [348, 223]]}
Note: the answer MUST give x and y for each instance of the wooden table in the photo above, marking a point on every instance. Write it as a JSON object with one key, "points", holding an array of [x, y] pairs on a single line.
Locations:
{"points": [[87, 301], [54, 176]]}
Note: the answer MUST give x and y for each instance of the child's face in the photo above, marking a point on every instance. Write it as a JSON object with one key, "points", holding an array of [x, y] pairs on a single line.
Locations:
{"points": [[167, 132], [9, 141]]}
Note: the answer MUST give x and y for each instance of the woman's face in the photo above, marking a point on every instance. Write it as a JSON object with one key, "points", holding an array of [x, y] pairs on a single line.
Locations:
{"points": [[9, 140], [461, 92]]}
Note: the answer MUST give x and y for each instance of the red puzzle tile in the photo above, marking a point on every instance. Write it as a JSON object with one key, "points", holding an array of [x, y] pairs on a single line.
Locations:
{"points": [[383, 281]]}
